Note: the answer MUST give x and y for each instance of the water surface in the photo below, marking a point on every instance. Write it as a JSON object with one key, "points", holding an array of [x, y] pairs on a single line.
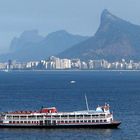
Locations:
{"points": [[32, 90]]}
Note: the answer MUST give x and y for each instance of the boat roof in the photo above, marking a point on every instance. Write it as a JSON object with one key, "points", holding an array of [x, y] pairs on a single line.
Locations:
{"points": [[98, 110]]}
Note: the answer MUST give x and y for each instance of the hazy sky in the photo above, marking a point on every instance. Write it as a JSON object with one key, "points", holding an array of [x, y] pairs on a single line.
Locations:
{"points": [[75, 16]]}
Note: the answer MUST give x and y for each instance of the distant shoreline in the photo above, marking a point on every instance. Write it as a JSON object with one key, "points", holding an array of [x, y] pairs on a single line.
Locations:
{"points": [[70, 70]]}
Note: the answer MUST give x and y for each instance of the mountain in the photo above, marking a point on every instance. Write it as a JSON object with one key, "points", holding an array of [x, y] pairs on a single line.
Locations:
{"points": [[31, 46], [115, 39], [26, 40]]}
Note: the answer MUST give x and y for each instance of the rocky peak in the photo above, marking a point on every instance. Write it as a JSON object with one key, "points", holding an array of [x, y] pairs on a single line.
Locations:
{"points": [[107, 16], [115, 39], [110, 23]]}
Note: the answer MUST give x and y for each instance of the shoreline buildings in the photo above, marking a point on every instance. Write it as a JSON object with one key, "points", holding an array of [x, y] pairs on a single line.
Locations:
{"points": [[55, 63]]}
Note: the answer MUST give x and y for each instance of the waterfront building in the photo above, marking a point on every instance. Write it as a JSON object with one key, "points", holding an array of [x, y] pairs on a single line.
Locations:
{"points": [[76, 64], [98, 64], [84, 65], [3, 66], [90, 64], [65, 64]]}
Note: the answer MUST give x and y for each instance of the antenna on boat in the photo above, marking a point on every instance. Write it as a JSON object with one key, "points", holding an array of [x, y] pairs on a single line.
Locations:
{"points": [[86, 102]]}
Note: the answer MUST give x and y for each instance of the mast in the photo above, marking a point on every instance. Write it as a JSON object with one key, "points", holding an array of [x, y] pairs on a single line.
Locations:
{"points": [[86, 102]]}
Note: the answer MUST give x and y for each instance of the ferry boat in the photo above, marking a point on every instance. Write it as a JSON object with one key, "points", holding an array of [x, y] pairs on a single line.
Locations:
{"points": [[101, 117]]}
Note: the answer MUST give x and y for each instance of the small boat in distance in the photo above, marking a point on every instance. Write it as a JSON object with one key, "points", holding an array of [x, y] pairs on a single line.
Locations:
{"points": [[72, 82], [101, 117]]}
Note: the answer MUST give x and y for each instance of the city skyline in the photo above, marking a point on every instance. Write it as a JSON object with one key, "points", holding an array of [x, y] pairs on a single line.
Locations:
{"points": [[56, 63]]}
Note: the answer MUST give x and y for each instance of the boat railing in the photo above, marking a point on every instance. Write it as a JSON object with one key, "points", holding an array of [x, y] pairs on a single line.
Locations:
{"points": [[77, 117], [22, 119], [74, 118], [58, 118]]}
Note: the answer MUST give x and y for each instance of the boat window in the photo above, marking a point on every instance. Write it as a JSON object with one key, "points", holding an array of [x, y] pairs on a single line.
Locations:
{"points": [[32, 116], [73, 121], [15, 117], [101, 121], [93, 121], [64, 116], [85, 120], [77, 121], [102, 114], [81, 121], [56, 116], [48, 116], [40, 116], [20, 116], [87, 115], [97, 120], [9, 117], [89, 120], [71, 116], [105, 120], [79, 116]]}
